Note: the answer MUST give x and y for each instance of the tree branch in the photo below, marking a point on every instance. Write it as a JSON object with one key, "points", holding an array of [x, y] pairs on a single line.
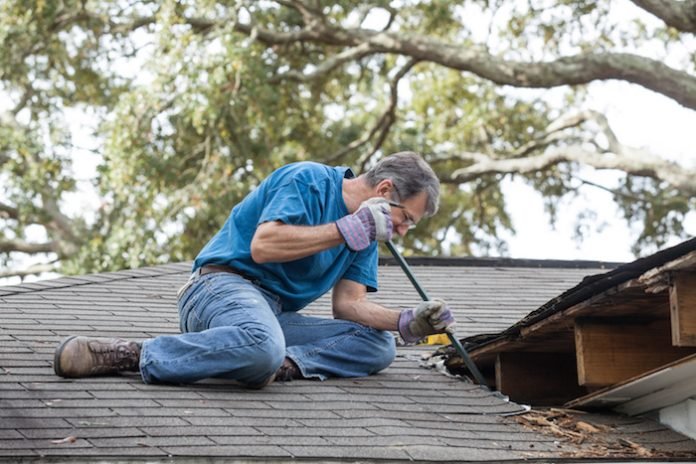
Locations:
{"points": [[308, 13], [350, 54], [8, 211], [633, 161], [31, 270], [21, 246], [680, 15], [60, 221], [280, 38], [389, 116], [572, 70], [385, 121], [614, 192]]}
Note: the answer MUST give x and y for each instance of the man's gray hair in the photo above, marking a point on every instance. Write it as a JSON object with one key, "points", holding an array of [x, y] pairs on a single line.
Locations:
{"points": [[410, 174]]}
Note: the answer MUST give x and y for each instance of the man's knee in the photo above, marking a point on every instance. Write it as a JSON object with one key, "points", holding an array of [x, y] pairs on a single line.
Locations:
{"points": [[266, 358], [383, 349]]}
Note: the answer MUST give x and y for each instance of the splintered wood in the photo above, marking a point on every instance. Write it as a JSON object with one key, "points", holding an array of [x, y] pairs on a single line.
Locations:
{"points": [[589, 439], [561, 424]]}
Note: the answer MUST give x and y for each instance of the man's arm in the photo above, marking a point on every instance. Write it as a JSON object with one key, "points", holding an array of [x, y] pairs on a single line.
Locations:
{"points": [[277, 242], [429, 317], [349, 302]]}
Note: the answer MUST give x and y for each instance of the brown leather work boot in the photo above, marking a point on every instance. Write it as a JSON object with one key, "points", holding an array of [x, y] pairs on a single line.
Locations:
{"points": [[85, 357], [288, 371], [285, 373]]}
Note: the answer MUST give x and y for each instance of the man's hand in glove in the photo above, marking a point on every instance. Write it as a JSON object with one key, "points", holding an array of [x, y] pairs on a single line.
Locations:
{"points": [[428, 318], [372, 221]]}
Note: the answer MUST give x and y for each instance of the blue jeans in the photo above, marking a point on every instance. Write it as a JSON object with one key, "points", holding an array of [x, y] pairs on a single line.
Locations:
{"points": [[236, 330]]}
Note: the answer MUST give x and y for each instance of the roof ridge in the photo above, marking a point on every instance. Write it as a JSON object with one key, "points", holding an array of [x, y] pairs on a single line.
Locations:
{"points": [[97, 277], [486, 261]]}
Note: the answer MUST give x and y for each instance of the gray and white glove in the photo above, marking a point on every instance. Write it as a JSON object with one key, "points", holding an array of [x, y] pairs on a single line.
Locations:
{"points": [[372, 221], [428, 318]]}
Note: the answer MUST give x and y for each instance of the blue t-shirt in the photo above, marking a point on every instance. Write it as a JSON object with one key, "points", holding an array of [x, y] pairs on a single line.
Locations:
{"points": [[303, 193]]}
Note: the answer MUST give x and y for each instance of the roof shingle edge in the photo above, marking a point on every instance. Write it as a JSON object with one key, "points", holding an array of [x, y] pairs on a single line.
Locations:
{"points": [[75, 281]]}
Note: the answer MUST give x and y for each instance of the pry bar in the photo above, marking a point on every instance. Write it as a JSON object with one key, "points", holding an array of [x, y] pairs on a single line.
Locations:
{"points": [[455, 342]]}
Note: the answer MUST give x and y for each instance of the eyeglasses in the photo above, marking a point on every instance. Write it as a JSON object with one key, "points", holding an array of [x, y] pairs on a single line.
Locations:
{"points": [[408, 219], [396, 203]]}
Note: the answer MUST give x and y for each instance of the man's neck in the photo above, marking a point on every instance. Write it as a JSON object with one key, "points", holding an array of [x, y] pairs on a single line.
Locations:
{"points": [[355, 191]]}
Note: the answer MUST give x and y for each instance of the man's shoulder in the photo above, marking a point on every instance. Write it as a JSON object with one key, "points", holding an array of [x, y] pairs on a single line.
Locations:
{"points": [[309, 172]]}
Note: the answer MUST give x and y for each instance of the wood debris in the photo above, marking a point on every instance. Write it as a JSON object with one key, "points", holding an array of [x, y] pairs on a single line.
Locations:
{"points": [[588, 440], [560, 423], [62, 441]]}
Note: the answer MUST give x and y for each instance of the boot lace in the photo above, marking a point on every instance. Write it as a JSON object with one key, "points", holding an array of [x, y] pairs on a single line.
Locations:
{"points": [[115, 356]]}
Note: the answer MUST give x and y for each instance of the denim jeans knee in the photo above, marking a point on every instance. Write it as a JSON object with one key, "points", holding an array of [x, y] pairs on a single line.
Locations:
{"points": [[230, 331], [384, 349], [264, 359], [324, 348]]}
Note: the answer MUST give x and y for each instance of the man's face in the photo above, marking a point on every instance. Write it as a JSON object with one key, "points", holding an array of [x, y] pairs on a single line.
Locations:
{"points": [[406, 214]]}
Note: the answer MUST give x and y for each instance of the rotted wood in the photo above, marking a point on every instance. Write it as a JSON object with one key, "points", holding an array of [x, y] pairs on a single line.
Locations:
{"points": [[682, 298], [626, 300], [610, 350], [658, 279]]}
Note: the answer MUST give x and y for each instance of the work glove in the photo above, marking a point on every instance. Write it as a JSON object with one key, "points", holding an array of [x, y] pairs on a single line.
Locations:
{"points": [[372, 221], [428, 318]]}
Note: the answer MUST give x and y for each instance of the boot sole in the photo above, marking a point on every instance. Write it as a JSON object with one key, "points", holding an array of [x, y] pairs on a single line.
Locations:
{"points": [[58, 353]]}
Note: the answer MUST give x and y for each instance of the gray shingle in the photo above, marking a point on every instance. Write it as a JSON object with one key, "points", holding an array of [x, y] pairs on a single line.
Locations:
{"points": [[348, 452], [239, 451], [91, 450], [269, 440], [82, 432], [464, 454]]}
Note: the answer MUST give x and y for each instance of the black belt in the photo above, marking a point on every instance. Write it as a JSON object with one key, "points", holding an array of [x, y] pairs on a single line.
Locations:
{"points": [[210, 268]]}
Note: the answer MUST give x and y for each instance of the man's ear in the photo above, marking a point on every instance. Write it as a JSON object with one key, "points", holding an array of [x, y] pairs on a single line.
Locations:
{"points": [[385, 187]]}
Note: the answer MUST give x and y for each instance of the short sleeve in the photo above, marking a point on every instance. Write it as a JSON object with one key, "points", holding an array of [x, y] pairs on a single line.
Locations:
{"points": [[293, 202], [363, 269]]}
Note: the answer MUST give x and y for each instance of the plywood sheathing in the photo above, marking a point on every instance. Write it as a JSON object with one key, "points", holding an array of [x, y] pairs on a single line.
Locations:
{"points": [[611, 350], [682, 297]]}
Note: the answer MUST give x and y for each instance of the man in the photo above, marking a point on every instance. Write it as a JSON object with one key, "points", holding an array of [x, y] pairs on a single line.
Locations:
{"points": [[308, 228]]}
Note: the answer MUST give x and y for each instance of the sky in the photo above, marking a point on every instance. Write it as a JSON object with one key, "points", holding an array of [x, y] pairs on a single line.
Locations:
{"points": [[640, 118]]}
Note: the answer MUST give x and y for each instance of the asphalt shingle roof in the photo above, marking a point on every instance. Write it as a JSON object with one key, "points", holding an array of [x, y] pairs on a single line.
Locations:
{"points": [[405, 413]]}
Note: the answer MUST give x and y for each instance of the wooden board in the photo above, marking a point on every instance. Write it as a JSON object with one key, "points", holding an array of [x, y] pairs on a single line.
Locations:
{"points": [[648, 391], [682, 298], [625, 300], [611, 350]]}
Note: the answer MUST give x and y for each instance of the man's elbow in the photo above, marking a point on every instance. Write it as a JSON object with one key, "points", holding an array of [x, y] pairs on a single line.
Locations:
{"points": [[258, 252], [261, 245], [343, 312]]}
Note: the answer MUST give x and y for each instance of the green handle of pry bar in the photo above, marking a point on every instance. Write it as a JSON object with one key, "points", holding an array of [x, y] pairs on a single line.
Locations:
{"points": [[455, 342]]}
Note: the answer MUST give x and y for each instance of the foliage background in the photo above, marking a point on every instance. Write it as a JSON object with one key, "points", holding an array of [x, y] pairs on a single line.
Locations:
{"points": [[191, 103]]}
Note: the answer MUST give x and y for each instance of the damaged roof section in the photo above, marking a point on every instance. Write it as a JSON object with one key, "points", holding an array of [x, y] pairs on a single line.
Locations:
{"points": [[405, 413], [614, 340]]}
